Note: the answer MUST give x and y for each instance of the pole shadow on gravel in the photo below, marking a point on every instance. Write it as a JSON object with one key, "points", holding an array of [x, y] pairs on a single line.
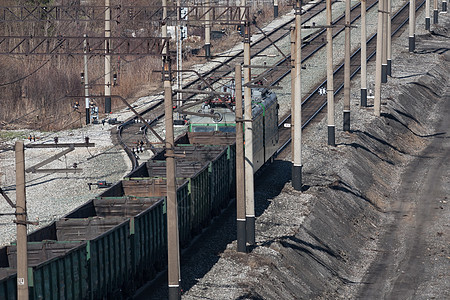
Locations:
{"points": [[269, 183]]}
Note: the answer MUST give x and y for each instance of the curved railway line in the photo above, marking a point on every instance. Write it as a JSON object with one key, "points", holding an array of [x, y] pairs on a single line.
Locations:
{"points": [[116, 242], [133, 134]]}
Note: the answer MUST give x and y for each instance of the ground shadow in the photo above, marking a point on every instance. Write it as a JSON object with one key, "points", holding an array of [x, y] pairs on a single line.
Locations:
{"points": [[393, 118], [359, 146]]}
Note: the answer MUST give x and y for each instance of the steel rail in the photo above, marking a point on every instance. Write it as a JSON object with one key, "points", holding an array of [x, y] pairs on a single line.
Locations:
{"points": [[158, 105], [355, 56]]}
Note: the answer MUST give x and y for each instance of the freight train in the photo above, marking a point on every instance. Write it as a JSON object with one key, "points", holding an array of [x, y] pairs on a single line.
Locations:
{"points": [[220, 124], [114, 243]]}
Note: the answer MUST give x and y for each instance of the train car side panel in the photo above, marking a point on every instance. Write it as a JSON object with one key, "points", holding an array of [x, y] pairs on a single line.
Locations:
{"points": [[64, 277], [110, 261], [219, 174], [149, 244], [258, 141], [8, 287], [199, 189], [270, 130], [184, 214]]}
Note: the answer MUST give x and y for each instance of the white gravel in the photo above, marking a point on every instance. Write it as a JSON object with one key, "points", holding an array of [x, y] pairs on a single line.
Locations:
{"points": [[50, 196]]}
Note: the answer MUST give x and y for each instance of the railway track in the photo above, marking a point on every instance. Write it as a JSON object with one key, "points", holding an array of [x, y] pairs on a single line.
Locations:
{"points": [[133, 135], [314, 103], [116, 242]]}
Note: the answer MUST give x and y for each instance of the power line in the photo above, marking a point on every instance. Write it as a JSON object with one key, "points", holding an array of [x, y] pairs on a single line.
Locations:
{"points": [[25, 77]]}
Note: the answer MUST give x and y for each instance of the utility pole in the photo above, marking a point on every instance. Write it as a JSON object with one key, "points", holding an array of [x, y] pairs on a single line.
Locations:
{"points": [[427, 15], [172, 205], [86, 81], [389, 38], [297, 112], [21, 221], [249, 184], [207, 30], [412, 25], [293, 94], [435, 12], [240, 174], [363, 54], [384, 51], [330, 79], [164, 27], [179, 55], [107, 58], [347, 68], [275, 9], [377, 96]]}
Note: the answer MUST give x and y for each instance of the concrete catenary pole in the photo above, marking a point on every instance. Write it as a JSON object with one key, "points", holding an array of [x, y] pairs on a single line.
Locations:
{"points": [[275, 9], [346, 119], [435, 12], [107, 58], [412, 25], [207, 29], [240, 174], [427, 15], [384, 45], [389, 38], [297, 112], [377, 96], [172, 205], [179, 55], [165, 50], [86, 81], [363, 54], [21, 221], [249, 184], [293, 70], [330, 80]]}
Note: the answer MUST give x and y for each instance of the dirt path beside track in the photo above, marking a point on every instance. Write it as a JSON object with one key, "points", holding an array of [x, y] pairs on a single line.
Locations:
{"points": [[414, 258]]}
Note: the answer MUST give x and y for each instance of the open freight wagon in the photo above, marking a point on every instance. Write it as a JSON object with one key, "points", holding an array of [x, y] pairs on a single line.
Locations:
{"points": [[113, 244]]}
